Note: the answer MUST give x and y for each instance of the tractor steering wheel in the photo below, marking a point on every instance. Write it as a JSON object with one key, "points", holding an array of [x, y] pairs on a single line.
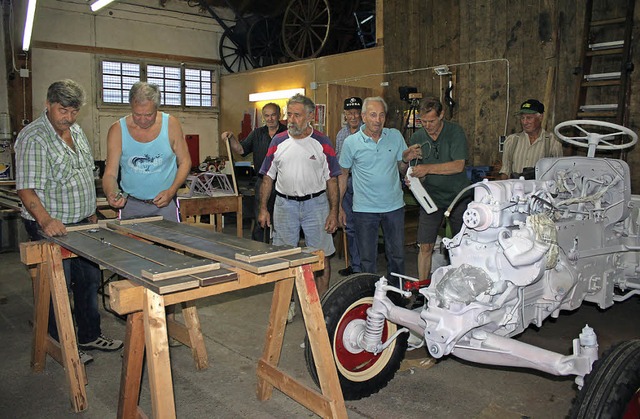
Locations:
{"points": [[596, 141]]}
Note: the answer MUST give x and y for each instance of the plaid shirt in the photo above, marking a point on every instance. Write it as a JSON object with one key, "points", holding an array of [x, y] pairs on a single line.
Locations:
{"points": [[61, 177]]}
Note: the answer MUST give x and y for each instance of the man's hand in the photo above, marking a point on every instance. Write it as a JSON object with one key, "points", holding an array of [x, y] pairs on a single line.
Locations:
{"points": [[93, 219], [263, 218], [420, 170], [116, 200], [412, 153], [342, 217], [53, 228], [331, 225], [163, 198]]}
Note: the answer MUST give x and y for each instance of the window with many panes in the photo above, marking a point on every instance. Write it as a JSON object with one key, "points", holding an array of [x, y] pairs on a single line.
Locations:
{"points": [[180, 85]]}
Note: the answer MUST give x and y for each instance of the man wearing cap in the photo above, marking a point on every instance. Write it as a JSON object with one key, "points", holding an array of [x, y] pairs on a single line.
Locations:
{"points": [[523, 150], [353, 116]]}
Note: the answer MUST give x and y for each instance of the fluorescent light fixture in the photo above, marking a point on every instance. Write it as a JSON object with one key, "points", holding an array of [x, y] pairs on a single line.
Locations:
{"points": [[28, 25], [275, 94], [99, 5]]}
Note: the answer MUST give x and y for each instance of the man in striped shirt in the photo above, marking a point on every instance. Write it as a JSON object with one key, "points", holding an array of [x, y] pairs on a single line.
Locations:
{"points": [[524, 149]]}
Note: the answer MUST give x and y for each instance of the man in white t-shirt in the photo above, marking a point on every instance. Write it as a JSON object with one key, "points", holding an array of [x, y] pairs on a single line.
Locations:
{"points": [[303, 164]]}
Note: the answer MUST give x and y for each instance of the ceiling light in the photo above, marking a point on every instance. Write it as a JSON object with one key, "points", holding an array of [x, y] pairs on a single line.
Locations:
{"points": [[275, 94], [99, 5], [28, 25]]}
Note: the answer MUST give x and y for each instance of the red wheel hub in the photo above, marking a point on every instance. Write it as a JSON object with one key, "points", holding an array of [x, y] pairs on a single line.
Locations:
{"points": [[350, 361]]}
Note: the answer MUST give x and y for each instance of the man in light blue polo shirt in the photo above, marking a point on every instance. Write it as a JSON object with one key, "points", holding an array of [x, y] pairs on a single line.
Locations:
{"points": [[376, 157]]}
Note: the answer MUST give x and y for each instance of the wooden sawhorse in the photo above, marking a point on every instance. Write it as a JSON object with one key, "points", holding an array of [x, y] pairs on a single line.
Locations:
{"points": [[147, 326]]}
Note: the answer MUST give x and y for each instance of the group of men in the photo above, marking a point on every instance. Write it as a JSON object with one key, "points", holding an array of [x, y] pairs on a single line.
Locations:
{"points": [[55, 181], [305, 185]]}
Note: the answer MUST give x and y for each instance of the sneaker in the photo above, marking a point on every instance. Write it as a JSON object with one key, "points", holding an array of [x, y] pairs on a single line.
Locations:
{"points": [[292, 312], [85, 358], [102, 343]]}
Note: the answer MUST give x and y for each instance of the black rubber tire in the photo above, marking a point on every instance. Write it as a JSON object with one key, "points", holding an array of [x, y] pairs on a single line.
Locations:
{"points": [[351, 297], [612, 389]]}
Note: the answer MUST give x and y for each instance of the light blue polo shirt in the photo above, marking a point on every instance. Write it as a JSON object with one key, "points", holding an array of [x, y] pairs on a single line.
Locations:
{"points": [[374, 168]]}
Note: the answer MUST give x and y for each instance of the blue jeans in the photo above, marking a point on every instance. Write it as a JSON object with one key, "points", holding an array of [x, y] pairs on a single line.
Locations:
{"points": [[367, 225], [83, 278], [350, 231], [290, 216]]}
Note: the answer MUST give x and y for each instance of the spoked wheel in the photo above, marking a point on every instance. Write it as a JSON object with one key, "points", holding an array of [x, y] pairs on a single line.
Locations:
{"points": [[233, 51], [612, 389], [264, 42], [305, 28], [345, 311]]}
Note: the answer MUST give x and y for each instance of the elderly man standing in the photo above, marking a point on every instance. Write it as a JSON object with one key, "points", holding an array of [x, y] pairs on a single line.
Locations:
{"points": [[523, 150], [376, 156], [303, 164], [151, 152], [353, 116], [442, 172], [257, 143], [54, 180]]}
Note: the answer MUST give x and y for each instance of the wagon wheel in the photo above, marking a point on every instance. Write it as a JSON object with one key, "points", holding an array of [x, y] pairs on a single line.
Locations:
{"points": [[233, 51], [264, 42], [305, 28]]}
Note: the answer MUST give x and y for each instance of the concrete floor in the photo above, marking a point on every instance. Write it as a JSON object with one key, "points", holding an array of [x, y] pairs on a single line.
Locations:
{"points": [[234, 327]]}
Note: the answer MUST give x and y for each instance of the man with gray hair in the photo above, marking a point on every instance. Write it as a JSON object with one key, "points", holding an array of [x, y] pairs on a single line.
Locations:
{"points": [[376, 156], [152, 156], [303, 165], [54, 180]]}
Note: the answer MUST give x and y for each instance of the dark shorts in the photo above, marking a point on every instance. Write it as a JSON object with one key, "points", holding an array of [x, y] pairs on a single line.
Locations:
{"points": [[429, 224]]}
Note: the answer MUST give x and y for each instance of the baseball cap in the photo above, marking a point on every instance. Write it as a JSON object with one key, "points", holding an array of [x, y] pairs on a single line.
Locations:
{"points": [[531, 106], [352, 103]]}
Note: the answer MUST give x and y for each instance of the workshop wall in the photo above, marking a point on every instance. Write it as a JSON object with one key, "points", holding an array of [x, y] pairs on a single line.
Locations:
{"points": [[358, 68], [68, 40], [500, 53]]}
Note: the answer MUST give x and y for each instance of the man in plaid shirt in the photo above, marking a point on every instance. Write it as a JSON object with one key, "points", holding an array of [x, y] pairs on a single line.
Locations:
{"points": [[54, 180]]}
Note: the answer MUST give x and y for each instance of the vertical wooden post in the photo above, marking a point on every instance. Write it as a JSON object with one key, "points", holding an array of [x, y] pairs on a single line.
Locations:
{"points": [[41, 299], [155, 336], [275, 332], [319, 340], [132, 363], [74, 369], [192, 322]]}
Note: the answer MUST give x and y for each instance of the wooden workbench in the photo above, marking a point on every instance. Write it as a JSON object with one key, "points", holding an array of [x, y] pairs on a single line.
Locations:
{"points": [[159, 277], [213, 206]]}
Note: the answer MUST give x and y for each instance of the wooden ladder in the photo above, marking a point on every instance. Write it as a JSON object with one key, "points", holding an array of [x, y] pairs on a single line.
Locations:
{"points": [[603, 84]]}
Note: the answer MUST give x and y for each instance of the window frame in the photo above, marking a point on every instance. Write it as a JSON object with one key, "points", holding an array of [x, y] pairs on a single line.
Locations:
{"points": [[183, 66]]}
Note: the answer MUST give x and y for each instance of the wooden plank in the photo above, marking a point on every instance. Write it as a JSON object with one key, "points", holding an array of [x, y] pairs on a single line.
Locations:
{"points": [[187, 268], [306, 396], [132, 364], [9, 203], [196, 340], [139, 220], [248, 250], [158, 363], [198, 246], [302, 258], [319, 340], [82, 227], [122, 262], [74, 369]]}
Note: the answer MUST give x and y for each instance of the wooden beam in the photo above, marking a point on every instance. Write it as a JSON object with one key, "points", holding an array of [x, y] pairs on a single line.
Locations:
{"points": [[158, 363], [59, 46], [132, 364], [196, 340], [172, 271]]}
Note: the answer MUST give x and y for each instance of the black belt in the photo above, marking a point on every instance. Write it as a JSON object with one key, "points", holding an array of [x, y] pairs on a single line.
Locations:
{"points": [[300, 198], [146, 201]]}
